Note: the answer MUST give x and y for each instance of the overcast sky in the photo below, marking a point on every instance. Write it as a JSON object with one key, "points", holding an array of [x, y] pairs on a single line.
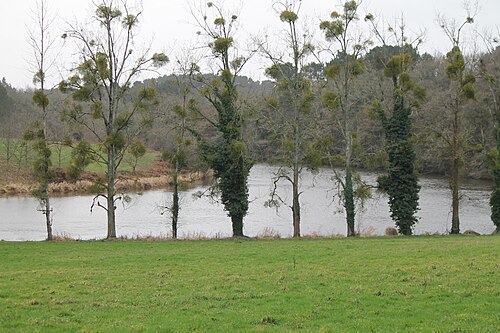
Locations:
{"points": [[169, 25]]}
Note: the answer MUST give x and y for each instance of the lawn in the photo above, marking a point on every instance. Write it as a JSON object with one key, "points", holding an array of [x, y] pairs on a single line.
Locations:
{"points": [[399, 284]]}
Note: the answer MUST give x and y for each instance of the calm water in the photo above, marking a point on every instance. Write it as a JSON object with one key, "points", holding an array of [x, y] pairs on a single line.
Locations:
{"points": [[20, 219]]}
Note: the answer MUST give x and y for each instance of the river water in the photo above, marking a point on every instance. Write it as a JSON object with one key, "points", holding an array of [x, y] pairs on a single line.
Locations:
{"points": [[20, 220]]}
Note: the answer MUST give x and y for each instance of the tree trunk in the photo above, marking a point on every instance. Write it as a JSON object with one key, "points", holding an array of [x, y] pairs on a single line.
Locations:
{"points": [[495, 195], [455, 198], [175, 205], [455, 173], [237, 222], [111, 193], [349, 202], [296, 203], [48, 219]]}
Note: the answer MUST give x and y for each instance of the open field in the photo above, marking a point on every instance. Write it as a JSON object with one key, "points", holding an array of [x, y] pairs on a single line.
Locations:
{"points": [[18, 156], [417, 284]]}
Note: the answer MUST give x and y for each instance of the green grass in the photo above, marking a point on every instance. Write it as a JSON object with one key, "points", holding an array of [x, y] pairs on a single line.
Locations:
{"points": [[417, 284], [62, 157]]}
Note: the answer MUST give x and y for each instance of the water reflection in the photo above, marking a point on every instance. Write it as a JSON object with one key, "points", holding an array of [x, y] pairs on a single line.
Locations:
{"points": [[199, 217]]}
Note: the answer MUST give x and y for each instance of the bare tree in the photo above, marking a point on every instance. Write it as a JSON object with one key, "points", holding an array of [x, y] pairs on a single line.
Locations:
{"points": [[42, 43], [291, 117], [347, 45], [99, 86], [460, 92]]}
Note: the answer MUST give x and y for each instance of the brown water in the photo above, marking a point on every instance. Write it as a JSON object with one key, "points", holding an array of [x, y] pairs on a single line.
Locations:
{"points": [[20, 219]]}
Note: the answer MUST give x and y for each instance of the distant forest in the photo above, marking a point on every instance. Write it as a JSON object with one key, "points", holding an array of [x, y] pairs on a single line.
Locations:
{"points": [[431, 119]]}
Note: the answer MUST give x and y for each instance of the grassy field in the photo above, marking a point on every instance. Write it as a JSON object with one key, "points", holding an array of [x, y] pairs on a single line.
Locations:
{"points": [[61, 157], [417, 284]]}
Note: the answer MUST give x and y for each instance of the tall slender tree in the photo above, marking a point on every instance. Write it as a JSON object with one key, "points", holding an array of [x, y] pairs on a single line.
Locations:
{"points": [[42, 43], [460, 92], [344, 70], [490, 74], [401, 181], [177, 155], [227, 155], [99, 89], [290, 114]]}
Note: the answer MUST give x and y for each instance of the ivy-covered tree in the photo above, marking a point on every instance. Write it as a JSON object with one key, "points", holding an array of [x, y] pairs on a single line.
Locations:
{"points": [[227, 154], [461, 91], [99, 86], [490, 74], [401, 181], [290, 109], [346, 65]]}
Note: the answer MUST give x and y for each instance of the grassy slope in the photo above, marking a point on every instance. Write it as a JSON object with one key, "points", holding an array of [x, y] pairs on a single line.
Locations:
{"points": [[417, 284], [65, 158]]}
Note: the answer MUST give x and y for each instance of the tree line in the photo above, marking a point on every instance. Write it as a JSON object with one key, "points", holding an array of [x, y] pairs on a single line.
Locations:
{"points": [[363, 97]]}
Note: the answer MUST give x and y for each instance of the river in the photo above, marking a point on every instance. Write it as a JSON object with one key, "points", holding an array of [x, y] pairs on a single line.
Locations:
{"points": [[21, 221]]}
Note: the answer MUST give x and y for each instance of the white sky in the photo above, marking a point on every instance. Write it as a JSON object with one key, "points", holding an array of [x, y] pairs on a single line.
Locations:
{"points": [[170, 26]]}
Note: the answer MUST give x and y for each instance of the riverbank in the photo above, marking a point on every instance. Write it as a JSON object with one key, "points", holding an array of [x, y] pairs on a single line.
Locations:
{"points": [[155, 177], [391, 284]]}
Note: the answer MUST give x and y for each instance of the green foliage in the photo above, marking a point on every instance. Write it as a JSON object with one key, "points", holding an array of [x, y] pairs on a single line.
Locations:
{"points": [[221, 45], [401, 182], [469, 91], [313, 156], [397, 65], [455, 64], [229, 159], [39, 77], [494, 157], [130, 21], [160, 59], [288, 16], [137, 149], [81, 157], [237, 63], [330, 100], [340, 73], [332, 30], [40, 99], [101, 66], [42, 162], [107, 13], [117, 140], [227, 154], [178, 157], [219, 21], [335, 29], [333, 71]]}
